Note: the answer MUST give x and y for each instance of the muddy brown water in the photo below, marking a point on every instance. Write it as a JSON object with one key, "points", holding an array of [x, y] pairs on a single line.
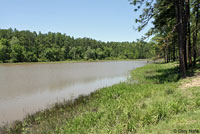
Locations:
{"points": [[27, 88]]}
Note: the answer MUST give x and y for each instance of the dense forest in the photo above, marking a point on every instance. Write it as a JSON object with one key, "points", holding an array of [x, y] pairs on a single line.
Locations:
{"points": [[27, 46], [176, 28]]}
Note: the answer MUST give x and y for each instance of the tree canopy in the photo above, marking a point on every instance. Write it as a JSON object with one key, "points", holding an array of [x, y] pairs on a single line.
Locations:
{"points": [[27, 46]]}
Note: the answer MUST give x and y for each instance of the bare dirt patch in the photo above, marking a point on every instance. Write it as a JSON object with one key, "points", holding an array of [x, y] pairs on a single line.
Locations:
{"points": [[194, 82]]}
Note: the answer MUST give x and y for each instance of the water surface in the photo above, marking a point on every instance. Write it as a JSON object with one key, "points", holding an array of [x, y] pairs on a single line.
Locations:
{"points": [[27, 88]]}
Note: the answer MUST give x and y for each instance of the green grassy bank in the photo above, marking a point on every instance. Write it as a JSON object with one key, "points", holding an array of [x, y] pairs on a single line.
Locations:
{"points": [[155, 104]]}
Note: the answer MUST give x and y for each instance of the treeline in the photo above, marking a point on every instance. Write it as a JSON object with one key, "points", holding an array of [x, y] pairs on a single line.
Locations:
{"points": [[27, 46], [176, 29]]}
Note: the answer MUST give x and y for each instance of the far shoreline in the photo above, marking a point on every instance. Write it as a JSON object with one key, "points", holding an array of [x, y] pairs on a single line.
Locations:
{"points": [[72, 61]]}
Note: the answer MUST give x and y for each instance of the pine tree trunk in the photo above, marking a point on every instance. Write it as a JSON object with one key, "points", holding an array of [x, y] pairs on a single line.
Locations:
{"points": [[174, 49], [179, 14], [195, 32], [188, 32], [184, 26], [169, 53], [165, 55]]}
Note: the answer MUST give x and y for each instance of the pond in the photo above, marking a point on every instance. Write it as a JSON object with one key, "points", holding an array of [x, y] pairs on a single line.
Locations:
{"points": [[27, 88]]}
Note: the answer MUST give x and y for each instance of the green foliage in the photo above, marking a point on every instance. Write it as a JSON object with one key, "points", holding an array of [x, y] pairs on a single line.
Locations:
{"points": [[89, 54], [17, 53], [4, 50], [30, 57], [52, 54], [26, 46]]}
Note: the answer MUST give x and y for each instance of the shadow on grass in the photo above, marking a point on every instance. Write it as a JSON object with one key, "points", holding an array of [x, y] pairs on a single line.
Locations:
{"points": [[172, 74], [165, 75], [192, 71]]}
